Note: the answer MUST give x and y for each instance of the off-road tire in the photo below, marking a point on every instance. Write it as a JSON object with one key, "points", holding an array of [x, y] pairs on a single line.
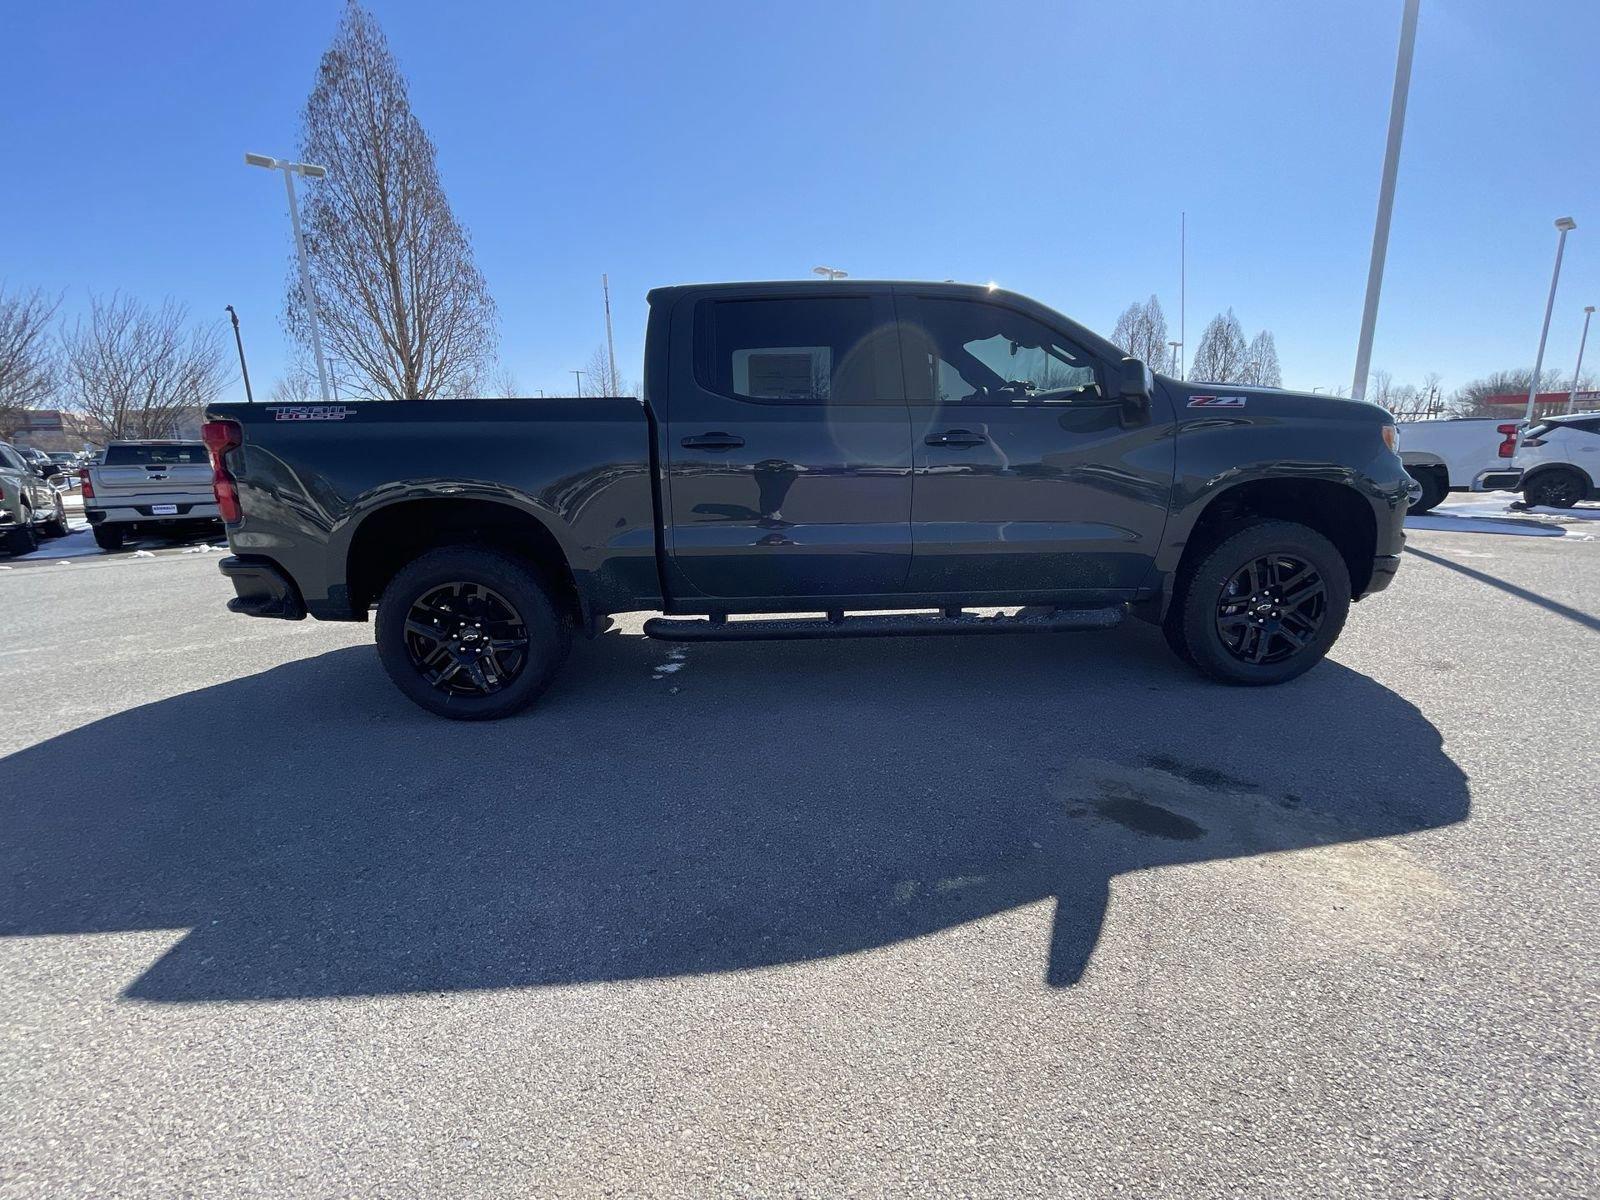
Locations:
{"points": [[549, 636], [1192, 624], [108, 537]]}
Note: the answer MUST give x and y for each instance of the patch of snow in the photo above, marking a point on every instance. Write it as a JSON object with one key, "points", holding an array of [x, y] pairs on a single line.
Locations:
{"points": [[1441, 521]]}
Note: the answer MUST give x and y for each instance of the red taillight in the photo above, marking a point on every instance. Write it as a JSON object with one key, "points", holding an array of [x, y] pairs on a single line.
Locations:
{"points": [[83, 480], [220, 437], [1508, 447]]}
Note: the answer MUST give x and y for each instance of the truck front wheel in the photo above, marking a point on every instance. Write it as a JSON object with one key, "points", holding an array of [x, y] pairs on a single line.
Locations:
{"points": [[470, 634], [1262, 606]]}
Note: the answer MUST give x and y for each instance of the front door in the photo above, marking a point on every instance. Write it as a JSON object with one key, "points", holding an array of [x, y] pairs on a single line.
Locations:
{"points": [[788, 445], [1030, 474]]}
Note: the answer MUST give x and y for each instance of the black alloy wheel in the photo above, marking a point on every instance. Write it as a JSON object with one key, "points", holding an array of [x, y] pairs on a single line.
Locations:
{"points": [[1271, 608], [466, 639]]}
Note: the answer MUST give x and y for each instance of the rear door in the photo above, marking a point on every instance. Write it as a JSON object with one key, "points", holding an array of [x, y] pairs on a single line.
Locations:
{"points": [[148, 475], [1030, 475], [788, 445]]}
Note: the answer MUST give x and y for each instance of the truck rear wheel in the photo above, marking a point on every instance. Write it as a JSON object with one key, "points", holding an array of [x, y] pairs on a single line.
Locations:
{"points": [[470, 634], [108, 537], [1433, 487], [1262, 606]]}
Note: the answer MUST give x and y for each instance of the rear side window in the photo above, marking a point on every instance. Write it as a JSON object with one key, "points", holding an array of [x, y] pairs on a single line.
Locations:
{"points": [[801, 350], [1588, 425], [184, 454]]}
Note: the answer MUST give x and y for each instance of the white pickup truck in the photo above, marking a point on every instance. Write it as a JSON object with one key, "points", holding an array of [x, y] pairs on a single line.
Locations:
{"points": [[150, 487], [1458, 454]]}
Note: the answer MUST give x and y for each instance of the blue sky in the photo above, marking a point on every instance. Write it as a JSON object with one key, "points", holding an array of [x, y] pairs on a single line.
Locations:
{"points": [[1048, 146]]}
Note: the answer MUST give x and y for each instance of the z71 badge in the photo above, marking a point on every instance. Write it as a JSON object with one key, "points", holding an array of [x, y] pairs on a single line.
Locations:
{"points": [[1216, 402], [311, 412]]}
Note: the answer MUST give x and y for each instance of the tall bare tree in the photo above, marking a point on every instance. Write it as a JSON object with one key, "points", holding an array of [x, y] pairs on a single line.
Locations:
{"points": [[404, 309], [1469, 400], [1261, 366], [1141, 331], [1221, 355], [133, 371], [27, 357], [598, 379]]}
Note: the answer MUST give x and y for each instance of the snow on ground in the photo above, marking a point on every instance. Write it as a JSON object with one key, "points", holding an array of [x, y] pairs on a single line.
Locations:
{"points": [[80, 544], [1502, 513]]}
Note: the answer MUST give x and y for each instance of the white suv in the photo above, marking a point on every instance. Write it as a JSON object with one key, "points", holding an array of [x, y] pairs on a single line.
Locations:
{"points": [[1560, 460]]}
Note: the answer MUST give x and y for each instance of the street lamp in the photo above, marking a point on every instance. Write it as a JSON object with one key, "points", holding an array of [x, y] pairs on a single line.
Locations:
{"points": [[1176, 346], [1566, 225], [829, 273], [1572, 396], [310, 171], [245, 371]]}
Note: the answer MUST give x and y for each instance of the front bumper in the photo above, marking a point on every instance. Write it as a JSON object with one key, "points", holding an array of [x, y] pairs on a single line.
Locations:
{"points": [[263, 589], [1383, 568]]}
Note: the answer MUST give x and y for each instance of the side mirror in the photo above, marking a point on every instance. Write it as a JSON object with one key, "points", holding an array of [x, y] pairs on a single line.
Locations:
{"points": [[1135, 388]]}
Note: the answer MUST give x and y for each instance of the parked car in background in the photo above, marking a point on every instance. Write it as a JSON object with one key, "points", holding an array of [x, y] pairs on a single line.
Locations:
{"points": [[41, 462], [150, 487], [1559, 460], [29, 507], [1458, 454]]}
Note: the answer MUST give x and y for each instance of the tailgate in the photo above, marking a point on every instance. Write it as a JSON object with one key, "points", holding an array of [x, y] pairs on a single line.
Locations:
{"points": [[148, 474]]}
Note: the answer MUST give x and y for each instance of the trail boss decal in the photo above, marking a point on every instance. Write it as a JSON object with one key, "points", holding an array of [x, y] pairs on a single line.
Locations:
{"points": [[311, 412], [1216, 402]]}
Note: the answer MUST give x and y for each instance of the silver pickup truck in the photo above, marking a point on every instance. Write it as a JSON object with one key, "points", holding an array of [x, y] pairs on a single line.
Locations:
{"points": [[150, 487]]}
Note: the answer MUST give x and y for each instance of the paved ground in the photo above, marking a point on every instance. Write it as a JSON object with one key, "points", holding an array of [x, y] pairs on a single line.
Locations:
{"points": [[1000, 917]]}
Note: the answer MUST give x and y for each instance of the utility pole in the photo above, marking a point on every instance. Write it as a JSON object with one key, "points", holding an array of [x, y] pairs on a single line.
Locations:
{"points": [[611, 350], [1577, 371], [249, 397], [1391, 168], [1183, 294], [578, 375]]}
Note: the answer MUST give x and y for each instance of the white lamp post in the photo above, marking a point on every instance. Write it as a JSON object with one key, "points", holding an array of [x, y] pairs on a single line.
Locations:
{"points": [[1391, 168], [290, 170], [1572, 396], [1566, 225], [1175, 346]]}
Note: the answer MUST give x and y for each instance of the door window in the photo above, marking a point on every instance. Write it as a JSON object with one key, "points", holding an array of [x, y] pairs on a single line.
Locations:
{"points": [[796, 350], [968, 352]]}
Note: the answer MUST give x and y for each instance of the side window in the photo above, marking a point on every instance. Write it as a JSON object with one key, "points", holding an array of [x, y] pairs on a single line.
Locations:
{"points": [[968, 352], [10, 458], [1589, 426], [799, 350]]}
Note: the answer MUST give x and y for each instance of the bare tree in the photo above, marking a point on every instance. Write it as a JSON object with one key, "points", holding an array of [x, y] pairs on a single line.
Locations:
{"points": [[1469, 400], [502, 382], [1221, 355], [1261, 361], [404, 308], [1141, 331], [27, 357], [297, 385], [134, 371], [599, 381]]}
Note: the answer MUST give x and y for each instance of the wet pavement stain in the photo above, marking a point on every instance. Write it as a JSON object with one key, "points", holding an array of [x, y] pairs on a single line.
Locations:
{"points": [[1143, 817], [1207, 777]]}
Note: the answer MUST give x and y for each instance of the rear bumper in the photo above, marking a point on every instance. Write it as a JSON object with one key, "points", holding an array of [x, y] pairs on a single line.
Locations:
{"points": [[263, 589], [1497, 481], [144, 517]]}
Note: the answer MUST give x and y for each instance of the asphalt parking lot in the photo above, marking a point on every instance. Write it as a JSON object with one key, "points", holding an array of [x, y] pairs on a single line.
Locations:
{"points": [[1031, 916]]}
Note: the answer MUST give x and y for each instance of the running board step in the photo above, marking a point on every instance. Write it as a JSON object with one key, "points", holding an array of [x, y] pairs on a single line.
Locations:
{"points": [[1029, 620]]}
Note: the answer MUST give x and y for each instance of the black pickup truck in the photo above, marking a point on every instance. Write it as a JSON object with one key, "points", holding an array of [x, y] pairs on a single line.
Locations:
{"points": [[855, 450]]}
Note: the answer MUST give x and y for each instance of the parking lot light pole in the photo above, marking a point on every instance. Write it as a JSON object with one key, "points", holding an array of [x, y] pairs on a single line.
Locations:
{"points": [[1566, 225], [245, 371], [1577, 371], [1175, 346], [1391, 168], [310, 171]]}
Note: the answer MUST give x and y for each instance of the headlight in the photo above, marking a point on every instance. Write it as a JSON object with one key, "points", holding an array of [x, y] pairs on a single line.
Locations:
{"points": [[1391, 438]]}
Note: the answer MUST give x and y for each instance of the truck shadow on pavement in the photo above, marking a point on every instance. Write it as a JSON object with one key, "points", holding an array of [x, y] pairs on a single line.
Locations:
{"points": [[756, 805]]}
